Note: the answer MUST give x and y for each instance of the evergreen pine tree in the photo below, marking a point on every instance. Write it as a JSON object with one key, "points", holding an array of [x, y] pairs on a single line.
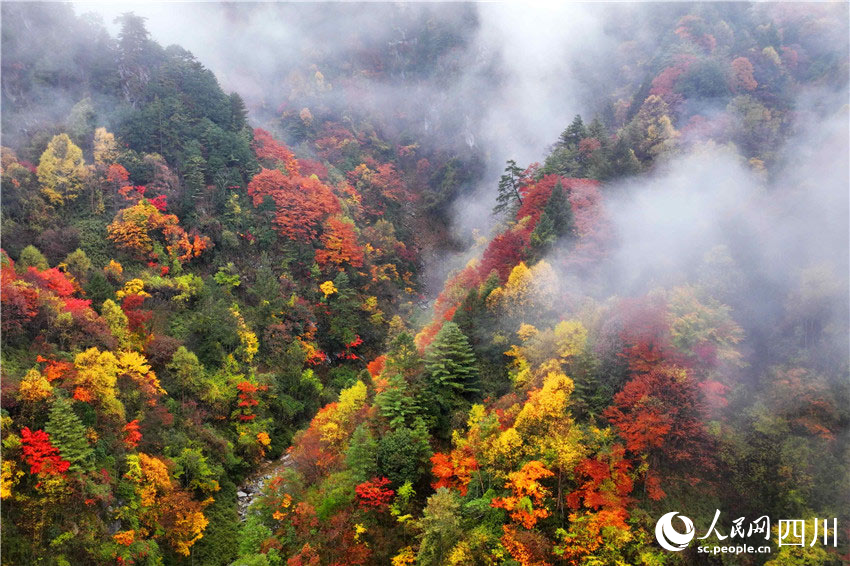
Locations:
{"points": [[466, 314], [396, 402], [98, 289], [597, 130], [560, 212], [543, 235], [403, 357], [134, 46], [623, 162], [450, 367], [555, 222], [68, 434], [193, 178], [574, 133], [362, 455], [509, 185], [490, 284], [238, 113]]}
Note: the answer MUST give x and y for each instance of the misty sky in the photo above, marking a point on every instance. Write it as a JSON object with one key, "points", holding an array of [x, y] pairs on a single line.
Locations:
{"points": [[551, 59]]}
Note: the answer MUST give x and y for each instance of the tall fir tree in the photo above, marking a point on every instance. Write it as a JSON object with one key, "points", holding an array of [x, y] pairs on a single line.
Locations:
{"points": [[362, 455], [560, 211], [238, 113], [396, 402], [556, 222], [450, 366], [68, 434], [134, 45], [574, 133]]}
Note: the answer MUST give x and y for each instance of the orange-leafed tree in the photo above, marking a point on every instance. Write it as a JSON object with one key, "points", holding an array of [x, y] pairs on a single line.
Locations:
{"points": [[454, 470], [340, 246], [526, 504], [604, 482], [301, 203], [136, 229], [164, 510], [379, 185], [742, 79], [272, 153], [529, 548], [660, 415]]}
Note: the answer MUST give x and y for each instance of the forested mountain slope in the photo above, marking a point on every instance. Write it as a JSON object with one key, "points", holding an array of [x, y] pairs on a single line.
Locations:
{"points": [[657, 320]]}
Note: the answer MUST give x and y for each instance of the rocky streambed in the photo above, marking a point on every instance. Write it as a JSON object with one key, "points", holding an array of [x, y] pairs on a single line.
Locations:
{"points": [[254, 484]]}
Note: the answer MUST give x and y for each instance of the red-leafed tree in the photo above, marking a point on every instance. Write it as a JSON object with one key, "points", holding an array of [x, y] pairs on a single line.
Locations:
{"points": [[310, 167], [534, 198], [374, 493], [604, 483], [20, 307], [137, 317], [160, 202], [660, 415], [51, 279], [664, 85], [272, 153], [132, 436], [247, 402], [117, 175], [301, 203], [40, 454], [645, 333], [591, 225], [504, 252], [340, 244], [742, 79]]}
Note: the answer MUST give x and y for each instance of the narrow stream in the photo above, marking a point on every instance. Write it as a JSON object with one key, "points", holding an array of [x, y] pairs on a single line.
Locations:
{"points": [[254, 484]]}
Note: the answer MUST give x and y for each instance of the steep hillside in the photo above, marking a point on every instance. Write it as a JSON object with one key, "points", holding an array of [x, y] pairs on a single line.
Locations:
{"points": [[199, 290]]}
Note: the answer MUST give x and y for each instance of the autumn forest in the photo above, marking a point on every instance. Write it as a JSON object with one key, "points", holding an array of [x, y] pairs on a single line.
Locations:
{"points": [[424, 284]]}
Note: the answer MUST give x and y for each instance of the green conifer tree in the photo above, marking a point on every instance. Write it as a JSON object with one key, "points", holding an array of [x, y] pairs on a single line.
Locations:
{"points": [[574, 133], [362, 455], [396, 402], [555, 222], [509, 185], [98, 288], [559, 210], [238, 113], [450, 366], [68, 434]]}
